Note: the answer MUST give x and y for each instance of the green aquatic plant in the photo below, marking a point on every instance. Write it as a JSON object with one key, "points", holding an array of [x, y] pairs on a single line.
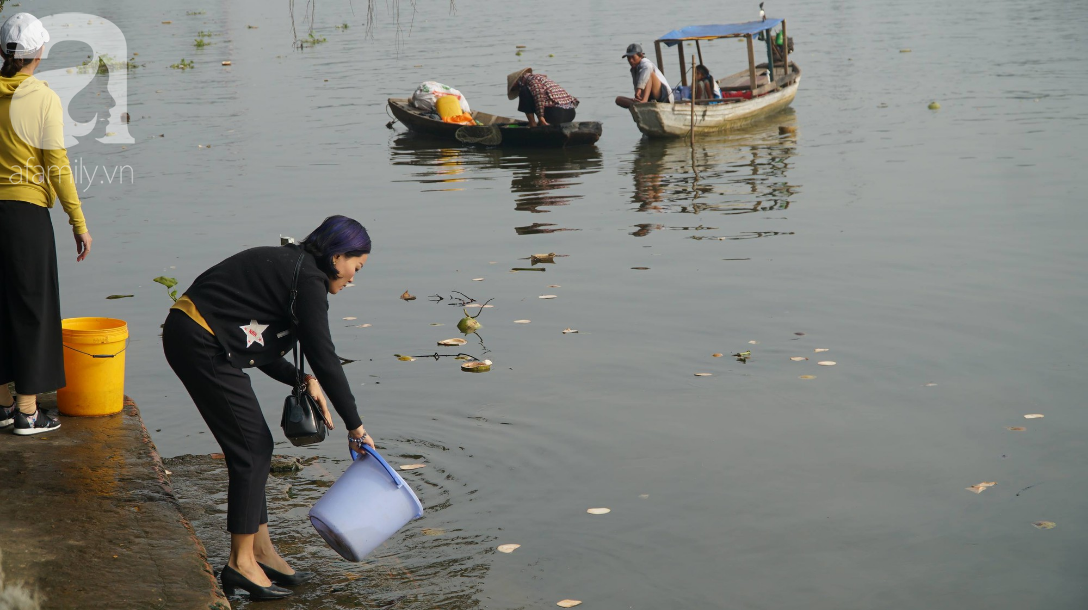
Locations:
{"points": [[195, 13], [342, 26], [200, 43], [183, 65], [169, 283], [105, 63], [311, 41]]}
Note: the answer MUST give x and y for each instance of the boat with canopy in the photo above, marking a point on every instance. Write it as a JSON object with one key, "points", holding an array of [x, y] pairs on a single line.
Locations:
{"points": [[761, 90]]}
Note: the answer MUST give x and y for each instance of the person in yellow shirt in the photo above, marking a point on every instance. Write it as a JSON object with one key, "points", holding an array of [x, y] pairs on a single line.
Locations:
{"points": [[34, 173]]}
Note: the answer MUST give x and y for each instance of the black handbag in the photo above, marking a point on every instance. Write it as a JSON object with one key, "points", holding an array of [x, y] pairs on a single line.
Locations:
{"points": [[303, 421]]}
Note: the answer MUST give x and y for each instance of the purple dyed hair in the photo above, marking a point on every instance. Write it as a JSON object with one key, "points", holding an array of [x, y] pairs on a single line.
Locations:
{"points": [[336, 235]]}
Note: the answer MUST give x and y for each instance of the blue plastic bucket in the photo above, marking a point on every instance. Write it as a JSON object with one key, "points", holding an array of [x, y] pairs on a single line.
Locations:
{"points": [[364, 507]]}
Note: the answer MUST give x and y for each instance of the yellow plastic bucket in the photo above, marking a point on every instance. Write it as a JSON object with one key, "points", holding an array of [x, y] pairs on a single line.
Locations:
{"points": [[447, 106], [94, 366]]}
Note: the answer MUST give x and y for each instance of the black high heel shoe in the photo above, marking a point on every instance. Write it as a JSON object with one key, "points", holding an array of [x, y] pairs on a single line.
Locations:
{"points": [[286, 580], [232, 579]]}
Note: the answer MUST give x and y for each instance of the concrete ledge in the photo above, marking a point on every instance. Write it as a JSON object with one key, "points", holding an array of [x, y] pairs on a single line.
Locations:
{"points": [[90, 521]]}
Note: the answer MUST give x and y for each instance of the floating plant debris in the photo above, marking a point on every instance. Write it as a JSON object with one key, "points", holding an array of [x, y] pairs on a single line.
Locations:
{"points": [[1033, 416], [716, 355], [476, 366], [568, 603], [798, 358], [407, 297], [508, 548], [569, 331], [1015, 428], [454, 341], [120, 296], [412, 466], [981, 487], [521, 321], [433, 531], [1045, 525], [351, 318], [820, 349], [807, 377], [703, 374], [547, 296], [826, 363], [599, 511]]}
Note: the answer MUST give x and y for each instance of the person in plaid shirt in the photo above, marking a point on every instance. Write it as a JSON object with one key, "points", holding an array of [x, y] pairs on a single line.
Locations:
{"points": [[542, 101]]}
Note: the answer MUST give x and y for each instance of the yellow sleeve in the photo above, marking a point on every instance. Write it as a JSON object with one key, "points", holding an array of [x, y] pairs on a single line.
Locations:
{"points": [[60, 170]]}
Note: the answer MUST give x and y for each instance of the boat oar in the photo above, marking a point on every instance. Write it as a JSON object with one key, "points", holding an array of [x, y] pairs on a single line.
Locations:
{"points": [[487, 135]]}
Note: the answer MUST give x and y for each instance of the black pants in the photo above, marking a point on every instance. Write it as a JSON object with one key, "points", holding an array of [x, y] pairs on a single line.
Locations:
{"points": [[31, 352], [555, 116], [224, 396], [552, 115]]}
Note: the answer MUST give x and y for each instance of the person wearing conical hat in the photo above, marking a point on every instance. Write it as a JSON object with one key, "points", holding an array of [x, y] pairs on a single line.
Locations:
{"points": [[542, 101]]}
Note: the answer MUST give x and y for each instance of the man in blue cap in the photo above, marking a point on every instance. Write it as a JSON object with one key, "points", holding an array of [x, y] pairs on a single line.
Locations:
{"points": [[650, 83]]}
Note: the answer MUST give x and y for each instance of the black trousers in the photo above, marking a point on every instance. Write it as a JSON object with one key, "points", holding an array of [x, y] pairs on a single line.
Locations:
{"points": [[31, 352], [554, 115], [224, 396]]}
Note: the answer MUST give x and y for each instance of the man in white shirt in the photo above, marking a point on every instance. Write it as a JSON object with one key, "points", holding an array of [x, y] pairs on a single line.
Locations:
{"points": [[650, 83]]}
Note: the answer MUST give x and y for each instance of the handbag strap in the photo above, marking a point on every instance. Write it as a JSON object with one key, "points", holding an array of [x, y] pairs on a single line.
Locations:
{"points": [[300, 361]]}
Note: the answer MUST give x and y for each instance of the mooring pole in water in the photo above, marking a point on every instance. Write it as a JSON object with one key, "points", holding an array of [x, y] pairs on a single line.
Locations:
{"points": [[694, 80]]}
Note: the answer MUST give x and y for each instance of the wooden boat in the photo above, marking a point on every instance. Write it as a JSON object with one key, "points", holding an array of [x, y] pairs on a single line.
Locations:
{"points": [[742, 103], [496, 130]]}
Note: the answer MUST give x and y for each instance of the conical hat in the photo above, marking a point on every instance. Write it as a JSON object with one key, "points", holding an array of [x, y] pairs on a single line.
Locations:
{"points": [[512, 82]]}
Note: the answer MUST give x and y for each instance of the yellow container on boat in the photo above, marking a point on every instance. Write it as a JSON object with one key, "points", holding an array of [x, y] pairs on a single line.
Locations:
{"points": [[94, 366], [447, 106]]}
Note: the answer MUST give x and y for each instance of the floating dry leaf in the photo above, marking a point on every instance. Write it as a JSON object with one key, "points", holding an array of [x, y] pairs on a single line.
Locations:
{"points": [[754, 342], [820, 349], [826, 363], [407, 297], [404, 358], [454, 341], [1015, 428], [508, 548], [599, 511], [1045, 525], [476, 366], [798, 358], [716, 355], [361, 326], [554, 286], [703, 374], [351, 318], [226, 63], [568, 603], [930, 385], [568, 331], [981, 487], [1033, 416], [807, 377], [547, 296], [411, 466], [433, 531], [521, 321], [477, 279]]}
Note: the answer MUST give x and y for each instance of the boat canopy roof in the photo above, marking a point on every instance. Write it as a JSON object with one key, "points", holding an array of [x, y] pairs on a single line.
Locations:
{"points": [[710, 32]]}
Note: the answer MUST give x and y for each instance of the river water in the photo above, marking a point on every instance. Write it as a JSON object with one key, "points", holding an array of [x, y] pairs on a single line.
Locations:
{"points": [[933, 253]]}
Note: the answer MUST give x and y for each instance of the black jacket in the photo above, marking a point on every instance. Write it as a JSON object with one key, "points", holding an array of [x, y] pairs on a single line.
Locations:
{"points": [[245, 300]]}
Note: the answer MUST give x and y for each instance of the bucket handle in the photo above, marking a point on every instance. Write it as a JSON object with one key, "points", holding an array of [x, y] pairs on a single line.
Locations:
{"points": [[389, 469], [96, 355]]}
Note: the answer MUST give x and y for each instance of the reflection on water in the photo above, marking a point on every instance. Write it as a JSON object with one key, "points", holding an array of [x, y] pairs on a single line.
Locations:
{"points": [[539, 179], [735, 173]]}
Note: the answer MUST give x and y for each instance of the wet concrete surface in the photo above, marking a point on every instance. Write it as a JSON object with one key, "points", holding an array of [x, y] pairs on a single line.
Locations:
{"points": [[89, 519], [393, 576]]}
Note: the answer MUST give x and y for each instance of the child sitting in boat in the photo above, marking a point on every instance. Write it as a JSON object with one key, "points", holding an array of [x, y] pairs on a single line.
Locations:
{"points": [[542, 101], [706, 88], [650, 83]]}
